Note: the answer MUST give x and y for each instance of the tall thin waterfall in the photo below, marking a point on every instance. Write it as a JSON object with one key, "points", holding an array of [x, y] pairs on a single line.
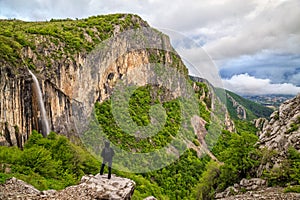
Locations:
{"points": [[44, 119]]}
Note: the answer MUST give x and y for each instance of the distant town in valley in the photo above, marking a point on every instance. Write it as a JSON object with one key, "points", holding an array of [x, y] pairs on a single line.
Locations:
{"points": [[270, 100]]}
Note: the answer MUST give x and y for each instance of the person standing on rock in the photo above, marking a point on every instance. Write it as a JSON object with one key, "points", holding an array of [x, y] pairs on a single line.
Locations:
{"points": [[107, 155]]}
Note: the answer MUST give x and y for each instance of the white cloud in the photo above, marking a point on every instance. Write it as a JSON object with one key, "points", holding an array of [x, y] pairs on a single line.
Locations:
{"points": [[249, 85], [275, 28]]}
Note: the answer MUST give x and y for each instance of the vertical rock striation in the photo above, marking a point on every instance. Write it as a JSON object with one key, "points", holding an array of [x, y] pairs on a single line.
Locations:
{"points": [[70, 79], [16, 107]]}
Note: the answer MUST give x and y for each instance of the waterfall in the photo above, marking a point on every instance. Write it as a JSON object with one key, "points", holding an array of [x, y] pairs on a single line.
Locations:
{"points": [[44, 119]]}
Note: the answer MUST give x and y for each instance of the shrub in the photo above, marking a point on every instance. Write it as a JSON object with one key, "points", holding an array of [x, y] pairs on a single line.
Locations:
{"points": [[54, 161]]}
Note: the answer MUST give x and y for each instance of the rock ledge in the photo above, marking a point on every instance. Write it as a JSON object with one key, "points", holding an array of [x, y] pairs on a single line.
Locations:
{"points": [[90, 187]]}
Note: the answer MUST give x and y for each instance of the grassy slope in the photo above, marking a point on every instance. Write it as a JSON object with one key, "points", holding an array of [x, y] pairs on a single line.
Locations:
{"points": [[72, 35]]}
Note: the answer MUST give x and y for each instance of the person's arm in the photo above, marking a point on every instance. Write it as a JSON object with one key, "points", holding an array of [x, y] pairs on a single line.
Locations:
{"points": [[102, 153], [112, 152]]}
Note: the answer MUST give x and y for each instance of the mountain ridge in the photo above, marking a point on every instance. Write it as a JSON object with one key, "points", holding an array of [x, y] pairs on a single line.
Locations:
{"points": [[242, 108]]}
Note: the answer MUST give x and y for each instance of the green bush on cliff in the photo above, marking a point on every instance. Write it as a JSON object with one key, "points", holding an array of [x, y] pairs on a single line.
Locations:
{"points": [[238, 154], [287, 172]]}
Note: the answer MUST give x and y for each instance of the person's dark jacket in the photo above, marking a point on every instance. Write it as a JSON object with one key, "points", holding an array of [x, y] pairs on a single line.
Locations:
{"points": [[107, 154]]}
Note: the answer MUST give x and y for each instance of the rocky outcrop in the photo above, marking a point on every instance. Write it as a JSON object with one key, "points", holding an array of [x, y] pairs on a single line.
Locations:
{"points": [[280, 132], [244, 185], [276, 136], [255, 188], [90, 187], [229, 124]]}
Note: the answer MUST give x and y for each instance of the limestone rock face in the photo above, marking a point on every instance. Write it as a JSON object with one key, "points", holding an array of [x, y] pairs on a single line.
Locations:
{"points": [[280, 132], [67, 79], [15, 98], [90, 187], [226, 121]]}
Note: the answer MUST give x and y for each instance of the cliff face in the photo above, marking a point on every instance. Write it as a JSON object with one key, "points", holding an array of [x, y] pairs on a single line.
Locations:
{"points": [[243, 109], [213, 99], [67, 76], [77, 63], [15, 99], [239, 109], [280, 132]]}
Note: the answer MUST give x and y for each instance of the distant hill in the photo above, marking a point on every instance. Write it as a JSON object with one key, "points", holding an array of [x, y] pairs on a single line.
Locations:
{"points": [[241, 108]]}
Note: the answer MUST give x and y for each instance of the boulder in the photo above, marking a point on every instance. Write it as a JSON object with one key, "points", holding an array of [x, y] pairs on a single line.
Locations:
{"points": [[244, 185], [90, 187]]}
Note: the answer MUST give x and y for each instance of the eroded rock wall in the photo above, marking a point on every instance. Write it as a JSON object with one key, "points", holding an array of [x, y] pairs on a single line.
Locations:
{"points": [[76, 80]]}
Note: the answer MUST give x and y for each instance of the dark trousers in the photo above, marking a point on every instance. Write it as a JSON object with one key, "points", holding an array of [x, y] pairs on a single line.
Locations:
{"points": [[109, 168]]}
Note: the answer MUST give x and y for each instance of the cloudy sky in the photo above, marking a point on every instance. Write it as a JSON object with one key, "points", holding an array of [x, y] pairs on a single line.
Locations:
{"points": [[254, 44]]}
